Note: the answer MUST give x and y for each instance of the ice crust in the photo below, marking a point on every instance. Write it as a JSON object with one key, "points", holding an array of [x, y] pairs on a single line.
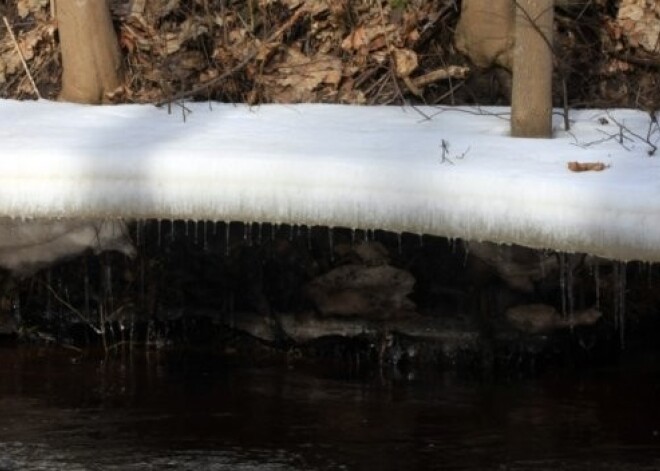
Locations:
{"points": [[339, 166]]}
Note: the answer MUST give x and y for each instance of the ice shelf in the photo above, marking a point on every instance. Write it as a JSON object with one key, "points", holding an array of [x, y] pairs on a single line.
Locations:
{"points": [[451, 172]]}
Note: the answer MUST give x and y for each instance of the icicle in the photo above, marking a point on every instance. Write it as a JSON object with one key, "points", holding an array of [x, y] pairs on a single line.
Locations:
{"points": [[562, 282], [187, 232], [159, 228], [215, 228], [597, 284], [248, 232], [259, 233], [86, 290], [466, 249], [204, 237], [399, 243], [331, 245], [622, 302], [245, 232], [290, 233], [569, 288], [309, 237], [138, 232], [196, 226], [172, 229], [107, 281], [615, 293], [227, 227], [16, 309], [49, 284], [352, 237]]}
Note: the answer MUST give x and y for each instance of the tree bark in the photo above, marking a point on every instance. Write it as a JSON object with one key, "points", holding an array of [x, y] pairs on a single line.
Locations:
{"points": [[484, 32], [531, 96], [91, 59]]}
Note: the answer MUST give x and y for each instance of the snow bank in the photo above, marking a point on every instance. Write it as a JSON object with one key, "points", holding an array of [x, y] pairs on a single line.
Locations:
{"points": [[356, 167]]}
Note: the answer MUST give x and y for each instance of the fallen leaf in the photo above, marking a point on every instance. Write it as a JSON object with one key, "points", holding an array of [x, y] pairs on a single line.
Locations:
{"points": [[587, 166], [405, 61]]}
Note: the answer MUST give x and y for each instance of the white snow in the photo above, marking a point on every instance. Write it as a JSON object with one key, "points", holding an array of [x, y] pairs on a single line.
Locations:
{"points": [[348, 166]]}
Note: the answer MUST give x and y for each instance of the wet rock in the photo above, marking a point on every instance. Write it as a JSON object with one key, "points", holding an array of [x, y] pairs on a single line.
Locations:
{"points": [[371, 253], [519, 267], [374, 292], [8, 325], [543, 319], [27, 246], [305, 327]]}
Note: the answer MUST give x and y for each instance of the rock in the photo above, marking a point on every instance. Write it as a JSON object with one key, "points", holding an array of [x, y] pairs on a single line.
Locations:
{"points": [[543, 319], [371, 253], [357, 290], [366, 253], [29, 245], [519, 267], [8, 325]]}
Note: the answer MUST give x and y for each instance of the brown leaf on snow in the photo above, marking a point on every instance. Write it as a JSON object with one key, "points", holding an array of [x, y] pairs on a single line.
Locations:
{"points": [[587, 166]]}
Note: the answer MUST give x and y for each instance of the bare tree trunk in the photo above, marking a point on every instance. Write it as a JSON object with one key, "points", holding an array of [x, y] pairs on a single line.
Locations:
{"points": [[531, 97], [91, 59], [484, 32]]}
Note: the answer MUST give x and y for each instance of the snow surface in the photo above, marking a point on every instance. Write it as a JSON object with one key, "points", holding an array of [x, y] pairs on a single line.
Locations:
{"points": [[341, 166]]}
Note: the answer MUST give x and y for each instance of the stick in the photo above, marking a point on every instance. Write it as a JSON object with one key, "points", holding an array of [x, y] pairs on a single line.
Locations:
{"points": [[237, 67], [20, 54], [453, 71]]}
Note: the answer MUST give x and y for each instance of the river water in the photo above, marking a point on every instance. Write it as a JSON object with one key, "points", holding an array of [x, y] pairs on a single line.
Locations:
{"points": [[59, 410]]}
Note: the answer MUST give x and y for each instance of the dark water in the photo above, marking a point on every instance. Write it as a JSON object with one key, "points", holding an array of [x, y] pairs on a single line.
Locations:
{"points": [[60, 411]]}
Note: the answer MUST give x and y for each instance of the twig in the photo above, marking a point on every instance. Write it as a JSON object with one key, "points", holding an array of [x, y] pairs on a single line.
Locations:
{"points": [[452, 71], [646, 140], [69, 306], [445, 153], [20, 54], [214, 81]]}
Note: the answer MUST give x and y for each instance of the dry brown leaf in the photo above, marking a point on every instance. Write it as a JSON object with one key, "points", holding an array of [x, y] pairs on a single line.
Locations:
{"points": [[640, 23], [587, 166], [405, 62], [189, 29], [298, 78], [25, 7], [356, 40], [10, 61]]}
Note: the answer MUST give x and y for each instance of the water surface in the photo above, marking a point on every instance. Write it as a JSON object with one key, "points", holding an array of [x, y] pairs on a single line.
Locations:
{"points": [[59, 410]]}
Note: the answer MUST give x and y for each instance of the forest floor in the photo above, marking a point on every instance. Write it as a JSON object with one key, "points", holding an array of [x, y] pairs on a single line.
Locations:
{"points": [[364, 52]]}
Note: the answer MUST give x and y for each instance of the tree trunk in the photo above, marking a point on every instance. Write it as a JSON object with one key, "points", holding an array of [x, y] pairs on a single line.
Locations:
{"points": [[484, 32], [531, 97], [91, 59]]}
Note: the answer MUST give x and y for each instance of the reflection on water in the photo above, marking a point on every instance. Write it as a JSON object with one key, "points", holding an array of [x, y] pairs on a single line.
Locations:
{"points": [[60, 411]]}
